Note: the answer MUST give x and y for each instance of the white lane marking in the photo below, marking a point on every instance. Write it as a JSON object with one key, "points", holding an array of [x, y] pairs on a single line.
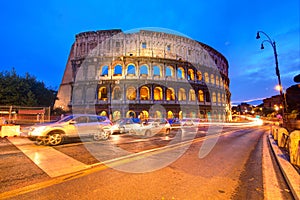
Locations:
{"points": [[51, 161]]}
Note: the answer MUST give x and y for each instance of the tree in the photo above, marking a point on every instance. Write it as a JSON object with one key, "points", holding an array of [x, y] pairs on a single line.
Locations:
{"points": [[24, 91]]}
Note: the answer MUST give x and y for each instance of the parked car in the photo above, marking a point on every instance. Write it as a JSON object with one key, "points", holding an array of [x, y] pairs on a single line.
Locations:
{"points": [[185, 126], [150, 127], [160, 125], [124, 125], [76, 125], [190, 122], [115, 128]]}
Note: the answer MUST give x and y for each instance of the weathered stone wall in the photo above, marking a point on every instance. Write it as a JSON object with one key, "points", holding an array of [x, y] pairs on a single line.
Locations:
{"points": [[148, 43], [96, 48]]}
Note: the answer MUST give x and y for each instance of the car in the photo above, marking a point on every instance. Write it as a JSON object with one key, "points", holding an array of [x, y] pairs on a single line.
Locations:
{"points": [[190, 122], [76, 125], [185, 125], [175, 123], [159, 125], [150, 127], [124, 125], [115, 128]]}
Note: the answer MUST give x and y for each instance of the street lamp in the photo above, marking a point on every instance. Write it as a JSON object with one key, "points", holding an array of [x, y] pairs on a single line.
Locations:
{"points": [[273, 44]]}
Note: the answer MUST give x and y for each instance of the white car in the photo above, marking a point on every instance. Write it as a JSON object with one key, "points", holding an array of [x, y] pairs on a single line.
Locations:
{"points": [[123, 125], [76, 125], [150, 127], [190, 122]]}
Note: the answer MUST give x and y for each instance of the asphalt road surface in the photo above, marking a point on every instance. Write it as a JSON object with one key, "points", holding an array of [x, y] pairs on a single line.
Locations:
{"points": [[205, 165]]}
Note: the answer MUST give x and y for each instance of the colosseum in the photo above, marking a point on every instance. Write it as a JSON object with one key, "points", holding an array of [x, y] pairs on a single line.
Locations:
{"points": [[144, 73]]}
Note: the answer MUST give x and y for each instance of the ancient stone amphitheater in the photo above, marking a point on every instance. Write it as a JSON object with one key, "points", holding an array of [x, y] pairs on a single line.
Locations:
{"points": [[144, 73]]}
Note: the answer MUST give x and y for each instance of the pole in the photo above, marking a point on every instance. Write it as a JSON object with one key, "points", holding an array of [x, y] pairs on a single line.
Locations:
{"points": [[279, 81], [273, 44]]}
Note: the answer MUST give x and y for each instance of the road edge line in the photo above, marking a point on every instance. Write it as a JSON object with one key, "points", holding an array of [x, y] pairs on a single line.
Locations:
{"points": [[289, 172]]}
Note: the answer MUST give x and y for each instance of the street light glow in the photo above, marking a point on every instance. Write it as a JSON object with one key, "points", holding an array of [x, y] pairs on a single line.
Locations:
{"points": [[278, 87]]}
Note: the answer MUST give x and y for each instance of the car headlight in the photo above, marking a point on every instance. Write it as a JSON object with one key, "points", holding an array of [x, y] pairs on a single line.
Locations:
{"points": [[37, 131]]}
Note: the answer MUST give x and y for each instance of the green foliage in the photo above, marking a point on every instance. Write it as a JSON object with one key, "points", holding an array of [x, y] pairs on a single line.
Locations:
{"points": [[267, 111], [24, 91]]}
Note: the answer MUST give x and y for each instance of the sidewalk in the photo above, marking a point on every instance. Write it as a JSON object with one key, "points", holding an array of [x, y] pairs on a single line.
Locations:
{"points": [[290, 174]]}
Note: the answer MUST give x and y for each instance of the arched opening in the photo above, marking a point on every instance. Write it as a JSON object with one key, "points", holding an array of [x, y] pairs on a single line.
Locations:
{"points": [[180, 73], [131, 70], [214, 97], [104, 71], [191, 74], [156, 71], [144, 70], [180, 115], [116, 115], [102, 94], [103, 113], [158, 94], [181, 94], [130, 114], [144, 93], [199, 76], [169, 71], [144, 115], [131, 93], [170, 115], [192, 95], [200, 96], [118, 70], [157, 114], [206, 77], [221, 82], [223, 98], [170, 94], [212, 79], [116, 94], [217, 81]]}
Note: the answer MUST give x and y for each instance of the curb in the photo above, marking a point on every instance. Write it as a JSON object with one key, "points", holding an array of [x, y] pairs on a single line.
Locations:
{"points": [[289, 172]]}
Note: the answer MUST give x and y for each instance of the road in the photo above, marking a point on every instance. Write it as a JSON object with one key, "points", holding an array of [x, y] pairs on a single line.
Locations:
{"points": [[205, 165]]}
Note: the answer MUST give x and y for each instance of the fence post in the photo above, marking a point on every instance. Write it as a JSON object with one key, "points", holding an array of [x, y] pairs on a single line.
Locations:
{"points": [[49, 114], [9, 114]]}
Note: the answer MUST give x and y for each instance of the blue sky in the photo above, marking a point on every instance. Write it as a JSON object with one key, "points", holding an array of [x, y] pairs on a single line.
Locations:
{"points": [[36, 36]]}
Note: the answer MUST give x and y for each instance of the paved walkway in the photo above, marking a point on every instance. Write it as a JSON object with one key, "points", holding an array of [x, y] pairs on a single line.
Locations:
{"points": [[51, 161]]}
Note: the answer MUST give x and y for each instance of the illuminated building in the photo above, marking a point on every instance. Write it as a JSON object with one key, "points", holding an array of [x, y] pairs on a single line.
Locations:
{"points": [[145, 74]]}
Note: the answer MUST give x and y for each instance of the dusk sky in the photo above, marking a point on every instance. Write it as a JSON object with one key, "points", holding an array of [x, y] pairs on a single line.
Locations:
{"points": [[36, 36]]}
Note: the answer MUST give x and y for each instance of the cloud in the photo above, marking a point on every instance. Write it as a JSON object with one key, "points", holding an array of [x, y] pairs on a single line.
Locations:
{"points": [[227, 43]]}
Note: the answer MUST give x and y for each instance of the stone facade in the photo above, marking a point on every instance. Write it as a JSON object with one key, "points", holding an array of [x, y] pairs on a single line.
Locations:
{"points": [[146, 74]]}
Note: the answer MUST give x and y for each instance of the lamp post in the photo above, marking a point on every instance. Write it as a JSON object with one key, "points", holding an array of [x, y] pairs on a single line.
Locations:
{"points": [[273, 44]]}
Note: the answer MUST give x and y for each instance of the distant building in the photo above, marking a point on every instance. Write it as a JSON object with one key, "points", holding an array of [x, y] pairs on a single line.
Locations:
{"points": [[243, 108], [293, 97], [144, 74], [273, 102]]}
